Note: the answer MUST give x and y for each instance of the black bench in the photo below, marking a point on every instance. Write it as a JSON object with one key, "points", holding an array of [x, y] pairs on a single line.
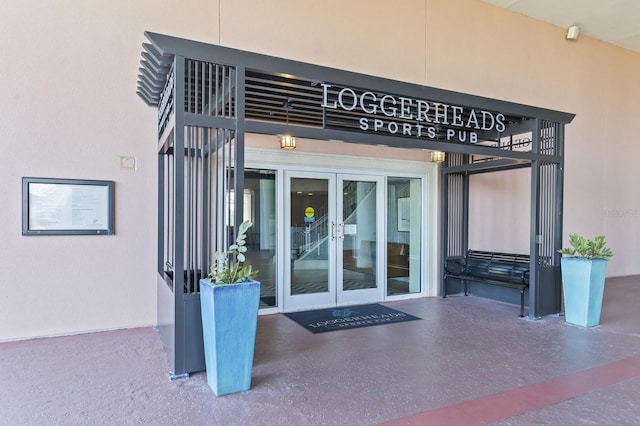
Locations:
{"points": [[502, 269]]}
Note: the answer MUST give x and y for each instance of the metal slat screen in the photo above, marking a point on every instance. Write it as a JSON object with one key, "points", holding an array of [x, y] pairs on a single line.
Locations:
{"points": [[208, 199], [209, 89], [169, 214], [222, 191], [456, 216], [548, 202], [195, 264], [198, 169]]}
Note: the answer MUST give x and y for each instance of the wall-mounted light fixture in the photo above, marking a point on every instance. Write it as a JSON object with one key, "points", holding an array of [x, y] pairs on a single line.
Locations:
{"points": [[437, 156], [572, 32], [287, 142]]}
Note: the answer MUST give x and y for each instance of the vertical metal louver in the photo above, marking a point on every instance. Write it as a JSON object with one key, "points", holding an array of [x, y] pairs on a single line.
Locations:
{"points": [[209, 89]]}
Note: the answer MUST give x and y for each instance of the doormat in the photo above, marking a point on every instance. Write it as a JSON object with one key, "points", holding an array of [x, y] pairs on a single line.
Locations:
{"points": [[344, 318]]}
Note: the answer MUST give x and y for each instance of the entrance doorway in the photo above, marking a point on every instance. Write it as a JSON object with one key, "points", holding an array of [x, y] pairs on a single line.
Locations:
{"points": [[334, 236]]}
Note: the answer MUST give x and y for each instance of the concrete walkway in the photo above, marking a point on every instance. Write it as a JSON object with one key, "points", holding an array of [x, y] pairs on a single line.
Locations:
{"points": [[469, 361]]}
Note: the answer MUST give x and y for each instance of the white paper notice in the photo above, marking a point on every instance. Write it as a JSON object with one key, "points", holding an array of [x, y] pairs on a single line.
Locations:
{"points": [[64, 206], [350, 229]]}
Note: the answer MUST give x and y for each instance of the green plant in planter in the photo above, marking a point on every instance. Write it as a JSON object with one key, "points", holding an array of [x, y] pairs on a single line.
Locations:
{"points": [[229, 303], [586, 248], [584, 268], [224, 271]]}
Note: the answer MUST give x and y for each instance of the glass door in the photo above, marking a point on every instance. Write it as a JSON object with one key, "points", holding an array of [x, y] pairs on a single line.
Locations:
{"points": [[360, 235], [333, 239], [310, 222]]}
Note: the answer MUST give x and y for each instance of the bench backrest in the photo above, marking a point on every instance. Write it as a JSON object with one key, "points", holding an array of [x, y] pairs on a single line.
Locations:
{"points": [[497, 266]]}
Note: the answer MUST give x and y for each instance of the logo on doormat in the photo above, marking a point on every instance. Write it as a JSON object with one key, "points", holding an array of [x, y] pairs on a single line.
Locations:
{"points": [[342, 313]]}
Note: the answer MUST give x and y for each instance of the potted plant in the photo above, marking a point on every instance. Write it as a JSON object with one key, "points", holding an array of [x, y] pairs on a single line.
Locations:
{"points": [[584, 267], [229, 302]]}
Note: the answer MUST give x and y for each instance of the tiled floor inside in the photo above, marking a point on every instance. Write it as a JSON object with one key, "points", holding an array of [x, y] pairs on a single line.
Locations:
{"points": [[468, 361]]}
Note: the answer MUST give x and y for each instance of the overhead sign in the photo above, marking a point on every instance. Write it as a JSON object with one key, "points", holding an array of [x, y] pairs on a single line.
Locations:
{"points": [[411, 116]]}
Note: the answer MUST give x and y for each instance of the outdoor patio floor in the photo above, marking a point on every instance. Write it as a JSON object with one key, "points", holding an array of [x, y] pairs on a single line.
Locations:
{"points": [[468, 361]]}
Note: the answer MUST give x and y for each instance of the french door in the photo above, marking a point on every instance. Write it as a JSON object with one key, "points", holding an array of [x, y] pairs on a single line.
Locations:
{"points": [[334, 242]]}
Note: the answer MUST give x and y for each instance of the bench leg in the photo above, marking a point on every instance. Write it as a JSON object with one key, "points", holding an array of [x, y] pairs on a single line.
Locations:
{"points": [[522, 303], [466, 287], [444, 290]]}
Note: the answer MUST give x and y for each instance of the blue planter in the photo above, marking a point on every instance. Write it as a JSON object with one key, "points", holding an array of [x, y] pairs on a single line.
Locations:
{"points": [[229, 322], [583, 288]]}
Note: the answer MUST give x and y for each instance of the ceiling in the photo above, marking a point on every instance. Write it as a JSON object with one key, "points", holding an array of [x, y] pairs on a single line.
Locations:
{"points": [[613, 21]]}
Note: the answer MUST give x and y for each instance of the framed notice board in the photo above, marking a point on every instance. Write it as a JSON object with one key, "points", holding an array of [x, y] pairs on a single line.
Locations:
{"points": [[67, 206]]}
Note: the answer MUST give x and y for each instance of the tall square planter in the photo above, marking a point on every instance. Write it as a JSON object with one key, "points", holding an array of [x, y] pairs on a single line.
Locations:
{"points": [[583, 289], [229, 323]]}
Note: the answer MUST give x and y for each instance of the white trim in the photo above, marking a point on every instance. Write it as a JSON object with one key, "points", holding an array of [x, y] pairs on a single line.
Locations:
{"points": [[258, 157]]}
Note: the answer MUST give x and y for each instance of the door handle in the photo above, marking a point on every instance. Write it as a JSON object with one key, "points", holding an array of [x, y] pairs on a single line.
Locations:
{"points": [[333, 231]]}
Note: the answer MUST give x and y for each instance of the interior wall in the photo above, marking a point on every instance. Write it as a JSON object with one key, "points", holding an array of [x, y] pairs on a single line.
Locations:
{"points": [[68, 109]]}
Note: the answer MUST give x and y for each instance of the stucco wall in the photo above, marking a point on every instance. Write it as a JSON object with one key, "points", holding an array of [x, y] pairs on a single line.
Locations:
{"points": [[68, 109]]}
